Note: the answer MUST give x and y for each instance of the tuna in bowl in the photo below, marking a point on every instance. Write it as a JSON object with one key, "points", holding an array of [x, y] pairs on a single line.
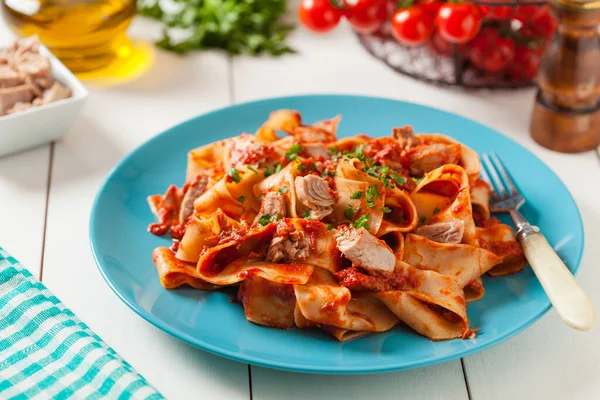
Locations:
{"points": [[39, 96]]}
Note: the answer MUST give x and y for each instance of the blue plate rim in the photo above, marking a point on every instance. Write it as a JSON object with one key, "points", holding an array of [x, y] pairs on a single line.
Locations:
{"points": [[289, 366]]}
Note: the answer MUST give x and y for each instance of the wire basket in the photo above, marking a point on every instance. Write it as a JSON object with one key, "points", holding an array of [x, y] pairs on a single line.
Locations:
{"points": [[452, 66]]}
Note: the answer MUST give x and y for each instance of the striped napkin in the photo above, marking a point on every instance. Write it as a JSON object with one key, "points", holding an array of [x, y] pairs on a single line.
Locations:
{"points": [[47, 352]]}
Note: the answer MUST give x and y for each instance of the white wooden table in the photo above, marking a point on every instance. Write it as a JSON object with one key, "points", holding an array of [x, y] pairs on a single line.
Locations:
{"points": [[46, 196]]}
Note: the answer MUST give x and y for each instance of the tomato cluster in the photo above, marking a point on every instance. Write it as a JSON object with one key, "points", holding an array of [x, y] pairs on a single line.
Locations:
{"points": [[495, 36]]}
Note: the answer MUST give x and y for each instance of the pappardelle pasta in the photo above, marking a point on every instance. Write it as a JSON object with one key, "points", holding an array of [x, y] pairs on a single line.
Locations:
{"points": [[353, 235]]}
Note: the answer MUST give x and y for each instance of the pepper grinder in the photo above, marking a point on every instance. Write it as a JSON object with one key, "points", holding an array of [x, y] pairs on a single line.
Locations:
{"points": [[566, 114]]}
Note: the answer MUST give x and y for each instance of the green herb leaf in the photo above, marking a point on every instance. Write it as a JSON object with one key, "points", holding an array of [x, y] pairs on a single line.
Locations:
{"points": [[362, 222], [357, 195], [349, 212], [416, 180], [301, 167], [261, 197], [283, 189], [264, 219], [251, 27], [329, 227], [241, 199], [436, 210], [400, 180], [251, 169], [277, 167], [422, 219], [386, 210], [234, 174], [292, 154], [306, 215]]}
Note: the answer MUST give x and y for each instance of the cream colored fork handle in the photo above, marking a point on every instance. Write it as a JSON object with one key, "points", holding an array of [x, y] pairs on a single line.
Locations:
{"points": [[568, 298]]}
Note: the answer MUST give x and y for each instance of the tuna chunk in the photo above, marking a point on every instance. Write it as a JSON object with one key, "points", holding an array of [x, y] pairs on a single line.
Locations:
{"points": [[13, 95], [313, 191], [316, 150], [428, 158], [9, 77], [289, 247], [405, 136], [443, 232], [194, 190], [20, 106], [36, 66], [272, 204], [55, 93], [364, 249]]}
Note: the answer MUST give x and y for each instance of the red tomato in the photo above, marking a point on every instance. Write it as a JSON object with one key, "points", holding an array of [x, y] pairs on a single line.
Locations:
{"points": [[524, 13], [525, 63], [366, 16], [490, 51], [431, 6], [442, 46], [412, 26], [489, 11], [318, 15], [458, 22], [543, 23]]}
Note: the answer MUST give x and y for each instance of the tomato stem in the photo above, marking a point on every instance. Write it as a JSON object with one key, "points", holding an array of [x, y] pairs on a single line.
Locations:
{"points": [[405, 3]]}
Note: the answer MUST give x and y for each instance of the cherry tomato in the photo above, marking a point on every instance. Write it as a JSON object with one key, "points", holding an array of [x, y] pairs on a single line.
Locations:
{"points": [[525, 63], [458, 22], [366, 16], [442, 46], [494, 12], [490, 51], [431, 6], [412, 26], [318, 15], [524, 13], [543, 23]]}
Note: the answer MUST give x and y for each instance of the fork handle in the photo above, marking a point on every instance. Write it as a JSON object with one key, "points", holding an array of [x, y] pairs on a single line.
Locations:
{"points": [[568, 298]]}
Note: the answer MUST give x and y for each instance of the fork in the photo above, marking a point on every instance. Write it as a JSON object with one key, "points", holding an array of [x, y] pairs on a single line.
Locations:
{"points": [[568, 298]]}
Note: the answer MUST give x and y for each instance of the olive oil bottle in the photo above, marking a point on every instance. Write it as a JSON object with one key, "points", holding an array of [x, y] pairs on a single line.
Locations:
{"points": [[83, 34]]}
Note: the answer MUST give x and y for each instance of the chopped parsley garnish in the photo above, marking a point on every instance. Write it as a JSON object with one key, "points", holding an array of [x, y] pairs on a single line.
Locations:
{"points": [[271, 171], [292, 154], [422, 219], [328, 172], [251, 169], [400, 180], [362, 222], [301, 167], [349, 212], [234, 174], [417, 180], [372, 194], [264, 219], [283, 189], [436, 210], [386, 210], [333, 150], [261, 197], [329, 227], [241, 199], [313, 166], [306, 215], [357, 195]]}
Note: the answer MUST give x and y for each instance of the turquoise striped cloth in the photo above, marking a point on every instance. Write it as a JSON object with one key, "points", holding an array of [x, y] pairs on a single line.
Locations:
{"points": [[47, 352]]}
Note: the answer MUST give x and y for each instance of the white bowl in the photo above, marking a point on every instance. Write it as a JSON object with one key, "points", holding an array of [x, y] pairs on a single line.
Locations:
{"points": [[45, 123]]}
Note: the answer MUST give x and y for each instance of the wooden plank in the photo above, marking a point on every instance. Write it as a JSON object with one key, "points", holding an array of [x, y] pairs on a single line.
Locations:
{"points": [[547, 361], [443, 382], [23, 184], [551, 360], [113, 122], [336, 64]]}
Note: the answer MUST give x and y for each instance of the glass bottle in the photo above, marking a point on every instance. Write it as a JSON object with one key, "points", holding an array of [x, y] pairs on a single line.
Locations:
{"points": [[83, 34], [566, 114]]}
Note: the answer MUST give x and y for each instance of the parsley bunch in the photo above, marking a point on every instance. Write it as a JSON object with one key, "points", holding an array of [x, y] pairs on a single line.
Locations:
{"points": [[237, 26]]}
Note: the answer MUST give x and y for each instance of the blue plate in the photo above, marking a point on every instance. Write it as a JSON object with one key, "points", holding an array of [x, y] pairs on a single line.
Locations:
{"points": [[122, 247]]}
